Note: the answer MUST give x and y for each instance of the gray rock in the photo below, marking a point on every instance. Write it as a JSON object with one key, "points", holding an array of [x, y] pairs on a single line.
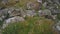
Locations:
{"points": [[30, 13], [14, 12], [57, 1], [44, 12], [55, 11], [40, 1], [45, 4], [22, 12], [4, 2], [30, 5], [54, 17], [12, 20], [11, 12], [3, 13], [57, 26], [50, 1], [52, 4]]}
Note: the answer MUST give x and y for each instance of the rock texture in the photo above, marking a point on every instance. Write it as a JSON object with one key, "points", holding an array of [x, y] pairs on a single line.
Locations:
{"points": [[46, 8], [44, 12], [12, 20], [30, 13]]}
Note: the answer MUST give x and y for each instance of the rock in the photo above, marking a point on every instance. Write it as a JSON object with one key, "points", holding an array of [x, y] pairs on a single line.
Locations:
{"points": [[14, 12], [30, 13], [56, 11], [9, 2], [44, 12], [57, 1], [4, 13], [45, 4], [30, 5], [52, 4], [50, 1], [40, 12], [40, 1], [4, 2], [22, 13], [11, 12], [57, 26], [12, 20], [54, 17]]}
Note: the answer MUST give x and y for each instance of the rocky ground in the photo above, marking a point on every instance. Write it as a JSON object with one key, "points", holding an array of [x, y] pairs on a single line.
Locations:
{"points": [[19, 10]]}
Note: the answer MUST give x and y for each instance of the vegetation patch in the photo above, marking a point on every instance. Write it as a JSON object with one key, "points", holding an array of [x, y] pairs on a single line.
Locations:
{"points": [[34, 25]]}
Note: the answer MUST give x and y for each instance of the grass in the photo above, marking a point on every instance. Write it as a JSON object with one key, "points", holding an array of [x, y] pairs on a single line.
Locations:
{"points": [[34, 25]]}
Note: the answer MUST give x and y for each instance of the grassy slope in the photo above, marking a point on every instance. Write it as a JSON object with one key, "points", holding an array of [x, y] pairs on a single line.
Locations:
{"points": [[34, 25]]}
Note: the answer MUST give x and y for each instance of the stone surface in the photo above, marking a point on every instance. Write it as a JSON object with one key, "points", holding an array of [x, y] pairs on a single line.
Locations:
{"points": [[14, 12], [57, 26], [4, 2], [45, 4], [4, 13], [33, 5], [44, 12], [30, 5], [30, 13], [11, 14], [40, 1], [12, 20]]}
